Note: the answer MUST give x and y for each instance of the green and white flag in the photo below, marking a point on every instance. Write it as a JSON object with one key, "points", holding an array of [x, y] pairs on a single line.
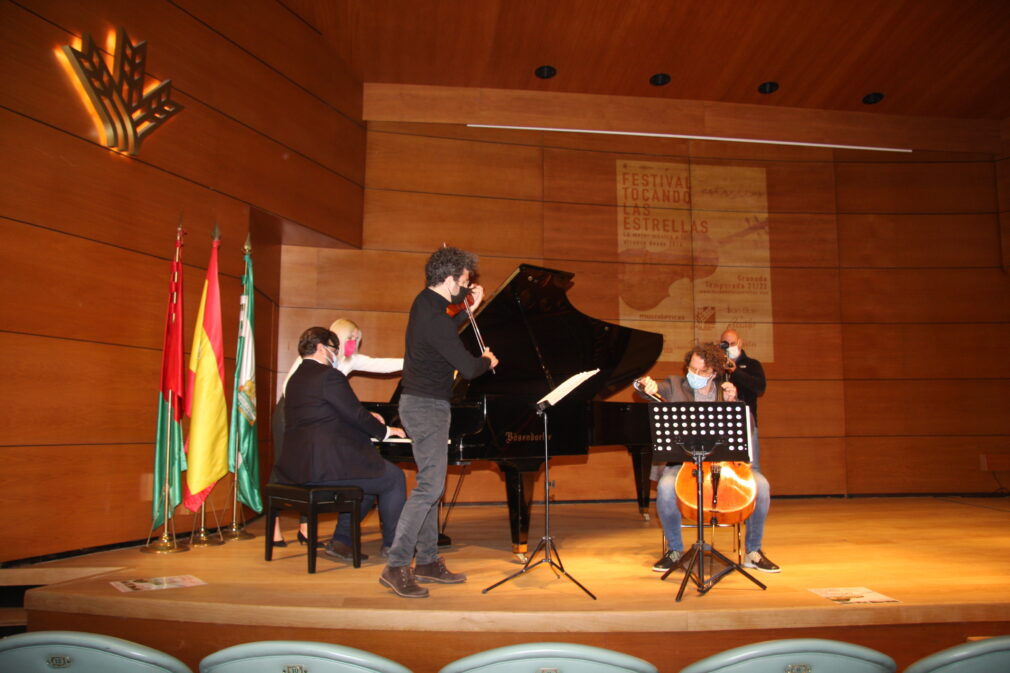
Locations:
{"points": [[243, 444]]}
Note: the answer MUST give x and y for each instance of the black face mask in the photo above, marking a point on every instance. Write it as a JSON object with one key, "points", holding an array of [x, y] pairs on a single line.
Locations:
{"points": [[463, 293]]}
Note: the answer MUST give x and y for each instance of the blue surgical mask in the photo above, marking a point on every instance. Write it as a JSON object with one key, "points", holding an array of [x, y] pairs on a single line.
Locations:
{"points": [[697, 382], [733, 352]]}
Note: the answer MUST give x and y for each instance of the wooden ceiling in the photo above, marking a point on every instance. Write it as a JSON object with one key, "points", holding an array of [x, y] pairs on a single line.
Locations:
{"points": [[930, 58]]}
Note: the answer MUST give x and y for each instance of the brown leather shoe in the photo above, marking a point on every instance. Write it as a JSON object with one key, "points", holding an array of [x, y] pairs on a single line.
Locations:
{"points": [[401, 581], [437, 572], [341, 552]]}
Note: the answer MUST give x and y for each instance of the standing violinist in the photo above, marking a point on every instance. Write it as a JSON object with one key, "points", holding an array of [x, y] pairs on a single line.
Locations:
{"points": [[433, 354], [706, 366]]}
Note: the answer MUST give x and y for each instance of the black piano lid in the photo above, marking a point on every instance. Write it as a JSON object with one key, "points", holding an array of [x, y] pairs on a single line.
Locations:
{"points": [[541, 340]]}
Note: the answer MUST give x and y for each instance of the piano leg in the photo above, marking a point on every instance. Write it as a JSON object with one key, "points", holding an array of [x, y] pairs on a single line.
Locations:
{"points": [[641, 462], [519, 492]]}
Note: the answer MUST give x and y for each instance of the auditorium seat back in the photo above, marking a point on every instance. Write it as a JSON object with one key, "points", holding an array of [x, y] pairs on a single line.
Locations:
{"points": [[798, 655], [560, 657], [980, 656], [277, 656], [79, 652]]}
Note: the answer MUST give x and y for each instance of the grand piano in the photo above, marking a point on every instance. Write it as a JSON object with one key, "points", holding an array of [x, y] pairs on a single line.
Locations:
{"points": [[541, 340]]}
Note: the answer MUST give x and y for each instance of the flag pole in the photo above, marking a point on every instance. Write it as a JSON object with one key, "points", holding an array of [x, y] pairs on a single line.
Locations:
{"points": [[168, 544], [236, 531]]}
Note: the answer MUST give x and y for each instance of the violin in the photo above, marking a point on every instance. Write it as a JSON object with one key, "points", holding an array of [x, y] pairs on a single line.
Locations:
{"points": [[453, 310]]}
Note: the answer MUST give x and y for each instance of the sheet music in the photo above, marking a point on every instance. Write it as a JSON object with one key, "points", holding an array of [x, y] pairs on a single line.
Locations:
{"points": [[559, 393]]}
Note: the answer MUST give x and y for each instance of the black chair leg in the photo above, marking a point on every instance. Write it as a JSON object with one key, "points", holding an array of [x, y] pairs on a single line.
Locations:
{"points": [[312, 536], [268, 553], [355, 515]]}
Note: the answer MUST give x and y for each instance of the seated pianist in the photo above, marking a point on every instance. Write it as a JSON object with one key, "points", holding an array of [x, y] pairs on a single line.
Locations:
{"points": [[328, 440]]}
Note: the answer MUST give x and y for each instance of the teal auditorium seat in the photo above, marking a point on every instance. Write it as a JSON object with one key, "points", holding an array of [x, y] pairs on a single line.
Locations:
{"points": [[991, 655], [75, 651], [278, 656], [560, 657], [798, 655]]}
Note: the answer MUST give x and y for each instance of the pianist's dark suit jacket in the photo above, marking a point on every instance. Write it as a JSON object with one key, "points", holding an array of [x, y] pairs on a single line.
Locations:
{"points": [[327, 434]]}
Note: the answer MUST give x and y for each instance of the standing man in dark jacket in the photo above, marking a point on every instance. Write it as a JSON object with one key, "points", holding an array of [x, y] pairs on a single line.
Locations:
{"points": [[328, 440], [746, 373], [433, 353]]}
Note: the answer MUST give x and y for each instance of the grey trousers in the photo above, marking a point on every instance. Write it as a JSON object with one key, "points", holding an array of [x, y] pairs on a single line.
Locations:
{"points": [[426, 421]]}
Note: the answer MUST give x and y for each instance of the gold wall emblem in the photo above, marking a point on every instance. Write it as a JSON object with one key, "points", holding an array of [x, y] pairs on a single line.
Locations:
{"points": [[126, 113]]}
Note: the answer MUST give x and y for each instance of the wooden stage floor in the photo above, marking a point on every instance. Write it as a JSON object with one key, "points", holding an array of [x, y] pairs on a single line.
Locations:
{"points": [[945, 560]]}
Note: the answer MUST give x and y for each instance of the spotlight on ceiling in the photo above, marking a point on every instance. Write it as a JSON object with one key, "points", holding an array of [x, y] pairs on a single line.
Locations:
{"points": [[545, 71], [768, 87], [873, 98], [659, 79]]}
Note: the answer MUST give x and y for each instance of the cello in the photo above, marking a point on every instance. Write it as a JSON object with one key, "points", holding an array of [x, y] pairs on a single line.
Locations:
{"points": [[729, 490]]}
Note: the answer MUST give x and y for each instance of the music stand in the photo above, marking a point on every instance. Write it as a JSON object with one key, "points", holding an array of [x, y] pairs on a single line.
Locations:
{"points": [[547, 542], [713, 431]]}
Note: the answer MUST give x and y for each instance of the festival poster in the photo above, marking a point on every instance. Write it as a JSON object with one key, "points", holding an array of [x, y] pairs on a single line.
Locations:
{"points": [[693, 241]]}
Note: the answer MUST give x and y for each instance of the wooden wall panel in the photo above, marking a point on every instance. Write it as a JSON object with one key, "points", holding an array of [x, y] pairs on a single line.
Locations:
{"points": [[77, 300], [951, 187], [803, 409], [88, 403], [90, 494], [925, 407], [575, 231], [803, 239], [806, 351], [37, 489], [395, 220], [921, 240], [925, 295], [948, 464], [218, 76], [453, 166], [202, 144], [921, 351], [805, 295], [1003, 183], [111, 198], [334, 85], [804, 465]]}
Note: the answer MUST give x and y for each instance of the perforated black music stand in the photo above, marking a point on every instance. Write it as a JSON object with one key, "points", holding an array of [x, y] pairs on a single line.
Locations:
{"points": [[713, 431], [551, 556]]}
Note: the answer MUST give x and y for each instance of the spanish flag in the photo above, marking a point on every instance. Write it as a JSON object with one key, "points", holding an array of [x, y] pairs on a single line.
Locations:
{"points": [[207, 447]]}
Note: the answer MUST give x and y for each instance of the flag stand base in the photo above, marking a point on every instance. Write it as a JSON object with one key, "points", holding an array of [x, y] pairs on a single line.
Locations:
{"points": [[236, 531], [203, 539], [165, 545]]}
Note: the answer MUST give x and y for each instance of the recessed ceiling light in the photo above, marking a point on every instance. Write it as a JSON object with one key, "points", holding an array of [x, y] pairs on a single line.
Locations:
{"points": [[873, 98], [659, 79], [545, 71], [768, 87]]}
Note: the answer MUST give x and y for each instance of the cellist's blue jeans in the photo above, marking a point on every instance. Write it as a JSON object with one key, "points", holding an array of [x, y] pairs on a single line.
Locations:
{"points": [[669, 514]]}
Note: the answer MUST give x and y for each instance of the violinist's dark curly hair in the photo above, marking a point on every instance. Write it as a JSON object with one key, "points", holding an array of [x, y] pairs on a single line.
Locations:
{"points": [[448, 261], [713, 355]]}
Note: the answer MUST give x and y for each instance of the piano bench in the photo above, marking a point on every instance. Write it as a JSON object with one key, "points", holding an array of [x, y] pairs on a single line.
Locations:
{"points": [[312, 501]]}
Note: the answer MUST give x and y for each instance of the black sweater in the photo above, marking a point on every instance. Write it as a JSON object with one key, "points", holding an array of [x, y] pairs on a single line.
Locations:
{"points": [[434, 351]]}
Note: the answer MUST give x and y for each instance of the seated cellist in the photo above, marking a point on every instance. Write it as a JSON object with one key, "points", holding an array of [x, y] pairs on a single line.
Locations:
{"points": [[705, 365]]}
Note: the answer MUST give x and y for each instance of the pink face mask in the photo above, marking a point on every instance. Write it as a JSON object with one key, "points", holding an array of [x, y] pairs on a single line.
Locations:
{"points": [[350, 346]]}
